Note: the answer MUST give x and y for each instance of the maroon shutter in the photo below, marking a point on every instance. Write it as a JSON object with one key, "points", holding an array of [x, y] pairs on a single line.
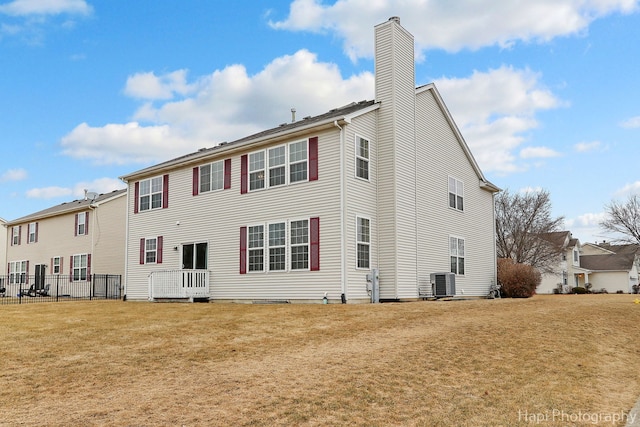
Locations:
{"points": [[19, 234], [159, 250], [165, 191], [61, 264], [136, 196], [51, 268], [227, 174], [86, 223], [12, 235], [71, 268], [36, 232], [26, 274], [244, 160], [142, 251], [314, 238], [75, 226], [196, 181], [88, 266], [313, 158], [243, 250], [28, 234]]}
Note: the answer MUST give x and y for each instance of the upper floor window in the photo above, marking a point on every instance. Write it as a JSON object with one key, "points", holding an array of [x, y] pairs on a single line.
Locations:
{"points": [[576, 256], [82, 224], [362, 158], [16, 231], [456, 251], [151, 193], [280, 165], [456, 194], [33, 232], [212, 177], [363, 242]]}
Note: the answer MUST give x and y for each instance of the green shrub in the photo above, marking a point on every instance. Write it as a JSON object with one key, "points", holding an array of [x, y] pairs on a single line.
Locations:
{"points": [[517, 280], [579, 290]]}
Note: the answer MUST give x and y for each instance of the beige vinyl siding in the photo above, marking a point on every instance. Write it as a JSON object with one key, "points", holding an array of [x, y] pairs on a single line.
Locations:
{"points": [[107, 228], [55, 238], [441, 155], [395, 89], [216, 218], [361, 201]]}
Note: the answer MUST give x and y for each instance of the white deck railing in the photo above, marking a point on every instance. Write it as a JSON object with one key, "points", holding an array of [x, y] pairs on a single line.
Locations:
{"points": [[179, 284]]}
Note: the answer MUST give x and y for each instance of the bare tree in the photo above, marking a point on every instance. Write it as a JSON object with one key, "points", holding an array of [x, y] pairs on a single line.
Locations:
{"points": [[623, 220], [523, 228]]}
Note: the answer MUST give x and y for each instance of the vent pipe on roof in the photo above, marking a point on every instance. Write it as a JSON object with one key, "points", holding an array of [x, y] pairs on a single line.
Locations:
{"points": [[395, 18], [293, 115]]}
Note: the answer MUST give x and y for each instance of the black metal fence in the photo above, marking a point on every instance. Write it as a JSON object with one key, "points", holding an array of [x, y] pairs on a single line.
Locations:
{"points": [[23, 289]]}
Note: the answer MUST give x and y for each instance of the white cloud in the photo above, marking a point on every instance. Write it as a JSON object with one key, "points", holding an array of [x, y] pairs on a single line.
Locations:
{"points": [[628, 190], [494, 110], [13, 175], [632, 123], [226, 105], [538, 152], [452, 26], [150, 86], [530, 190], [583, 147], [48, 192], [100, 185], [45, 7]]}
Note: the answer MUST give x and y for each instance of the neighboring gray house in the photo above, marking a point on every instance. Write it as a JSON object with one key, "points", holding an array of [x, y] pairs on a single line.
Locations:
{"points": [[74, 239], [309, 209]]}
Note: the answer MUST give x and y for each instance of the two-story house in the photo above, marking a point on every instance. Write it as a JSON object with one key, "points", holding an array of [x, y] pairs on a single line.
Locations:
{"points": [[69, 241], [603, 267], [384, 189]]}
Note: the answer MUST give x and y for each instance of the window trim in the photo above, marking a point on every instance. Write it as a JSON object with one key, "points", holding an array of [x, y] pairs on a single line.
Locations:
{"points": [[312, 244], [143, 250], [86, 267], [16, 234], [266, 170], [457, 255], [23, 277], [164, 194], [33, 233], [358, 242], [358, 156], [458, 184], [54, 265]]}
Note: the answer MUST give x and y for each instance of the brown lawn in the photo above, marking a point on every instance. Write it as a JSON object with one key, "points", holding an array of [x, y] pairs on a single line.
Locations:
{"points": [[549, 360]]}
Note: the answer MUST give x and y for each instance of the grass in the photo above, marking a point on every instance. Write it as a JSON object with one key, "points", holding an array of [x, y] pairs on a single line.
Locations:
{"points": [[464, 363]]}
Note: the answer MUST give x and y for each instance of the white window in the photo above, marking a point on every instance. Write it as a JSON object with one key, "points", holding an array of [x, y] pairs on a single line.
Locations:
{"points": [[81, 227], [269, 168], [256, 170], [150, 194], [256, 248], [18, 272], [362, 158], [363, 242], [456, 194], [456, 251], [277, 166], [80, 267], [15, 239], [212, 177], [150, 250], [299, 231], [298, 161], [277, 247], [56, 265], [33, 229]]}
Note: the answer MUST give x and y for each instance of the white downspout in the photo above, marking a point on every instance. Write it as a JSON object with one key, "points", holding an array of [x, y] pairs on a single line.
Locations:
{"points": [[126, 245], [343, 225]]}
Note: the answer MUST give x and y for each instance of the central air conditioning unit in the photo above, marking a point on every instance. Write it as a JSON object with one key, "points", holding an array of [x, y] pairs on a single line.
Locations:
{"points": [[443, 284]]}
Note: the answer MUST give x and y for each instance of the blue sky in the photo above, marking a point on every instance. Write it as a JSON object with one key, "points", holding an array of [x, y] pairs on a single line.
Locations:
{"points": [[546, 93]]}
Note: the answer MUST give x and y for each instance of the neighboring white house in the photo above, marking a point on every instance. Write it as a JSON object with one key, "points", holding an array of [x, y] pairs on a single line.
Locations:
{"points": [[71, 241], [607, 268], [311, 208]]}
